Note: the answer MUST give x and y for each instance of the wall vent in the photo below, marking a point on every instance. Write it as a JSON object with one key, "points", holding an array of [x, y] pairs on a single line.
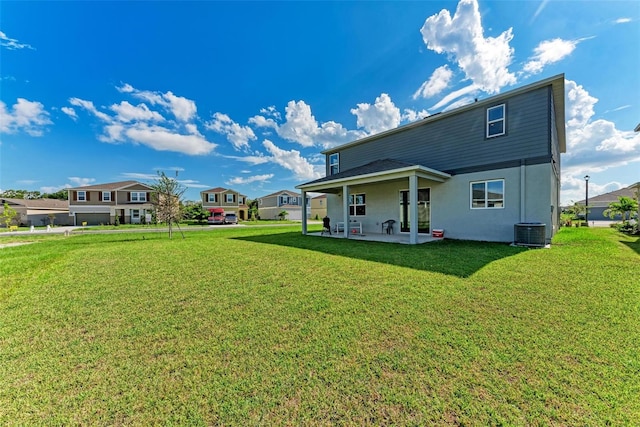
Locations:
{"points": [[529, 234]]}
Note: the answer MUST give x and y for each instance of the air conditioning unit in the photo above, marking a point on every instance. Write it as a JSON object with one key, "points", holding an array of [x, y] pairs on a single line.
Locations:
{"points": [[529, 234]]}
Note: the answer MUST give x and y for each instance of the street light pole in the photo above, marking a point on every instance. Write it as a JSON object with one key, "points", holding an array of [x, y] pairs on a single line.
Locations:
{"points": [[586, 199]]}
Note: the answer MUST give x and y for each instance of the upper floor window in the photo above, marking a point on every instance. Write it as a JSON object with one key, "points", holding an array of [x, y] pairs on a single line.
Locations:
{"points": [[487, 194], [211, 197], [230, 198], [106, 196], [138, 196], [82, 196], [240, 200], [496, 121], [288, 200], [334, 163], [357, 205]]}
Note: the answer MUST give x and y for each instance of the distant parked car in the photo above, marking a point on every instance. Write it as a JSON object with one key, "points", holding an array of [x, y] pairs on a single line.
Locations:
{"points": [[230, 218], [217, 216]]}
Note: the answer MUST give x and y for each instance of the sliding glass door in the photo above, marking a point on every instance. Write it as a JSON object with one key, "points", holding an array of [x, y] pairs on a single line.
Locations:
{"points": [[424, 210]]}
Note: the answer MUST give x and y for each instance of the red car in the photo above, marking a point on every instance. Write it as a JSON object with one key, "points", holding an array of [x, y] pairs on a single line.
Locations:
{"points": [[217, 216]]}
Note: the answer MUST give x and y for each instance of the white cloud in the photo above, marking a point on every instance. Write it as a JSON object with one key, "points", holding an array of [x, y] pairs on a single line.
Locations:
{"points": [[24, 116], [380, 116], [539, 10], [88, 105], [255, 159], [271, 111], [593, 145], [163, 139], [549, 52], [182, 108], [453, 95], [484, 60], [140, 176], [13, 44], [81, 182], [459, 103], [249, 179], [438, 82], [623, 20], [293, 161], [412, 115], [302, 127], [70, 112], [238, 136], [53, 188], [125, 112]]}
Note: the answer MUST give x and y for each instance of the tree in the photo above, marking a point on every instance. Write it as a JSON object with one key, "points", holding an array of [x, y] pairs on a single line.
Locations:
{"points": [[283, 215], [194, 211], [166, 201], [625, 206], [9, 215], [253, 209], [60, 195]]}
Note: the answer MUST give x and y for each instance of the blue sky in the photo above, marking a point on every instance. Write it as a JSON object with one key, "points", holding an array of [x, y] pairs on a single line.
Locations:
{"points": [[246, 95]]}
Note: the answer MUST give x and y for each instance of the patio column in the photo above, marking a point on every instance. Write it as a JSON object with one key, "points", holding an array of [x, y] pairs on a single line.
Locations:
{"points": [[413, 209], [345, 209], [304, 212]]}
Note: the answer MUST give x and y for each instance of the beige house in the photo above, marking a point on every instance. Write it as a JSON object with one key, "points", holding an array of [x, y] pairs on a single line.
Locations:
{"points": [[318, 207], [270, 206], [229, 200], [128, 201], [39, 212]]}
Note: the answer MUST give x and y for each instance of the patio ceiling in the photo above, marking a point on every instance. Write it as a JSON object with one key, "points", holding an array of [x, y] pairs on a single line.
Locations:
{"points": [[374, 172]]}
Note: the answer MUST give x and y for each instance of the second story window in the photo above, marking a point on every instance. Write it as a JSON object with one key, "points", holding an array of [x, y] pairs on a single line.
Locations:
{"points": [[230, 198], [82, 196], [106, 196], [496, 121], [334, 163], [138, 196], [211, 197]]}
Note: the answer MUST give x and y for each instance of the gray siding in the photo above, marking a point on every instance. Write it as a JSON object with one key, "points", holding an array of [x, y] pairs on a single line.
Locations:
{"points": [[456, 142]]}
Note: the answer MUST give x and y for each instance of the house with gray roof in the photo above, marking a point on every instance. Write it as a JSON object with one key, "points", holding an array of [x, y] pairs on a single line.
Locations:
{"points": [[598, 204], [39, 212], [474, 172]]}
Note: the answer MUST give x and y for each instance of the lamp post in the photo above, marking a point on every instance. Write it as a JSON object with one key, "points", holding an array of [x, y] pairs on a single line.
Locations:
{"points": [[586, 199]]}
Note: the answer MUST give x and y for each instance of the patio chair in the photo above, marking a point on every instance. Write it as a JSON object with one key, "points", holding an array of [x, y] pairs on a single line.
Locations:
{"points": [[388, 226], [326, 226]]}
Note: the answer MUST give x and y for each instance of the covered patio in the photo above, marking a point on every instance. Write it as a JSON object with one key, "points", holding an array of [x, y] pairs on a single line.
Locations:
{"points": [[402, 238], [374, 174]]}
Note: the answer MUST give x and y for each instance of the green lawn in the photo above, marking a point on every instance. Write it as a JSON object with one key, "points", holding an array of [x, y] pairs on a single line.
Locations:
{"points": [[263, 326]]}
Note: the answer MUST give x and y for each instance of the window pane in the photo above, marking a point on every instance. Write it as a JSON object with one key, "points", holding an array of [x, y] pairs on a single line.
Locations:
{"points": [[351, 210], [495, 189], [496, 128], [495, 113], [350, 199], [359, 199], [360, 210]]}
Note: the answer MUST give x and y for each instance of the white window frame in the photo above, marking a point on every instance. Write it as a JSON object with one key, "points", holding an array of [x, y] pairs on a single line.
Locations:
{"points": [[140, 196], [211, 198], [81, 196], [229, 198], [502, 119], [106, 196], [334, 161], [487, 200], [353, 203]]}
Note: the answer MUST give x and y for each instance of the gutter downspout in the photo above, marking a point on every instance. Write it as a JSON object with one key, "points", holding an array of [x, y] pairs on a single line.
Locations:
{"points": [[523, 191]]}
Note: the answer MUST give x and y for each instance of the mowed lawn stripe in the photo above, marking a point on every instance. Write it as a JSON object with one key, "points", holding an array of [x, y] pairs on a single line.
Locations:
{"points": [[265, 326]]}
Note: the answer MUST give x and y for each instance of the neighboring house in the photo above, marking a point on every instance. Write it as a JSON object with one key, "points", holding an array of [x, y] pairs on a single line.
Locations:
{"points": [[598, 204], [39, 212], [318, 207], [129, 201], [271, 205], [229, 200], [474, 171]]}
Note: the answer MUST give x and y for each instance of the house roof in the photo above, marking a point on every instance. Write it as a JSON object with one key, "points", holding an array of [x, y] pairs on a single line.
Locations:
{"points": [[111, 186], [612, 196], [37, 203], [557, 85], [378, 170], [277, 193], [322, 196], [216, 190]]}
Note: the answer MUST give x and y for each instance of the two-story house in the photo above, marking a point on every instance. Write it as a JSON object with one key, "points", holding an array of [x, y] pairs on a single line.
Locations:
{"points": [[474, 171], [223, 198], [270, 206], [318, 207], [128, 201]]}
